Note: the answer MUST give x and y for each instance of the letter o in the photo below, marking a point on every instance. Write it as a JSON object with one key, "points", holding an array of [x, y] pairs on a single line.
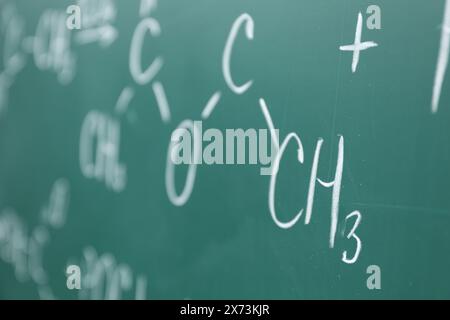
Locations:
{"points": [[183, 197]]}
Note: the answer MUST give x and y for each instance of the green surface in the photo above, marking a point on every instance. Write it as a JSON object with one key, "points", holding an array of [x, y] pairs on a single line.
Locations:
{"points": [[223, 242]]}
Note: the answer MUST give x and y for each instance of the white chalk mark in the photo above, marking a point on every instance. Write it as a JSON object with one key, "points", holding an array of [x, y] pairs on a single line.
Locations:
{"points": [[226, 59], [212, 103], [312, 181], [279, 151], [442, 61], [137, 41], [269, 121], [180, 199], [146, 7], [161, 100], [105, 35], [141, 288], [274, 135], [358, 46], [336, 184], [273, 181], [325, 184], [45, 292], [353, 235], [124, 100], [336, 192]]}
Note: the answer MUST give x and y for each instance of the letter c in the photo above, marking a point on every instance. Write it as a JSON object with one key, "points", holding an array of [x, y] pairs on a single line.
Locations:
{"points": [[249, 28], [273, 181]]}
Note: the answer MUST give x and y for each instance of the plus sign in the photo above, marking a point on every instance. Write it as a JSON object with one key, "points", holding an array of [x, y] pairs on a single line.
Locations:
{"points": [[358, 46]]}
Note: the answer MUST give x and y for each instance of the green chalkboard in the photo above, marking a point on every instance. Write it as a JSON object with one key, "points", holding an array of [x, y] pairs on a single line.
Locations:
{"points": [[352, 202]]}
